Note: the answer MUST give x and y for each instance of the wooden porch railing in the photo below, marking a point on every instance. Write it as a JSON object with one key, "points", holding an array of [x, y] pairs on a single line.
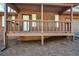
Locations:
{"points": [[35, 26]]}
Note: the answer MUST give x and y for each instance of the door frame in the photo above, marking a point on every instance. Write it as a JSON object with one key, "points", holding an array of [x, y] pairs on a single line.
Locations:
{"points": [[29, 22]]}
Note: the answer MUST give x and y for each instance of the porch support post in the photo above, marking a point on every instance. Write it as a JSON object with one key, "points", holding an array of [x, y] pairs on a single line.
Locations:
{"points": [[72, 21], [5, 28], [42, 37], [42, 18]]}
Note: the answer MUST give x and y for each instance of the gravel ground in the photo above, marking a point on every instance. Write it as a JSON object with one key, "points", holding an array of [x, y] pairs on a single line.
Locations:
{"points": [[53, 47]]}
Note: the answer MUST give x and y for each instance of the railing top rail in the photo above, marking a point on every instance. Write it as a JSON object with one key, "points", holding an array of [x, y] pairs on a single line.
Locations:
{"points": [[20, 20]]}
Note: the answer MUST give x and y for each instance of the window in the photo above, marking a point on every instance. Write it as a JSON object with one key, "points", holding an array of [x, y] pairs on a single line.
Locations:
{"points": [[3, 21], [26, 17], [26, 24], [68, 19], [52, 18], [9, 9], [57, 19], [33, 18], [13, 18]]}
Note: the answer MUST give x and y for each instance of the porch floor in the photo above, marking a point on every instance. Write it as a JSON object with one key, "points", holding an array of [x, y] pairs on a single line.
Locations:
{"points": [[38, 34]]}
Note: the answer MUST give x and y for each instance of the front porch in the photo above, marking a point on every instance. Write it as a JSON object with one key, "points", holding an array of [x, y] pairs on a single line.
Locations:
{"points": [[34, 27], [45, 25]]}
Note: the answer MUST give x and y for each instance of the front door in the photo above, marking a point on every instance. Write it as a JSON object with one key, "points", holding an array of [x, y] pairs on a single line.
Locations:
{"points": [[25, 23]]}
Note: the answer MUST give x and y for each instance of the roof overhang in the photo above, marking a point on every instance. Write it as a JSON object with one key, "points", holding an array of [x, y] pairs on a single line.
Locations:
{"points": [[50, 7]]}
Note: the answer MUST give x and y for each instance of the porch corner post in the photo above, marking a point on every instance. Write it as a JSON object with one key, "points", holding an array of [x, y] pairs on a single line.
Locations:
{"points": [[72, 31], [42, 37], [72, 19], [5, 28]]}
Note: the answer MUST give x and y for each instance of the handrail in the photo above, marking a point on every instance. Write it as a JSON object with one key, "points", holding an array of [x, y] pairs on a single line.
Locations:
{"points": [[37, 20]]}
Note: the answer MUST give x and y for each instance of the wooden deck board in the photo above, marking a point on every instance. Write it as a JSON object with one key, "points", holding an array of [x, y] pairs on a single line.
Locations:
{"points": [[39, 34]]}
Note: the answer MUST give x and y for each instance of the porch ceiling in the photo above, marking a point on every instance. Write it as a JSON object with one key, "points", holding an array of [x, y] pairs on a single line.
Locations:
{"points": [[52, 7]]}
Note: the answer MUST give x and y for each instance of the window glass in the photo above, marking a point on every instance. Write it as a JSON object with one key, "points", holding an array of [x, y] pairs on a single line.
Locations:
{"points": [[25, 17], [26, 25], [33, 18], [3, 21], [52, 18], [57, 19], [13, 17], [67, 19]]}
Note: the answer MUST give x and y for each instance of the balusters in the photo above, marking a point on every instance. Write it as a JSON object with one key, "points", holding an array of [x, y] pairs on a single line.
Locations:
{"points": [[38, 25], [63, 27], [59, 26], [70, 27], [48, 26], [53, 26], [14, 25], [31, 26], [18, 26], [11, 26], [45, 26]]}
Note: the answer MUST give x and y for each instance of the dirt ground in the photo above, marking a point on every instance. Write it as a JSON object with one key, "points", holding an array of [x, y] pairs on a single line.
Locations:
{"points": [[52, 47]]}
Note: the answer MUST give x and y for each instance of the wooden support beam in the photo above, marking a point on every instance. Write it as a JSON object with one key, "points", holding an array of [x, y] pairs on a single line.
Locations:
{"points": [[71, 17], [42, 18], [42, 38], [5, 28]]}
